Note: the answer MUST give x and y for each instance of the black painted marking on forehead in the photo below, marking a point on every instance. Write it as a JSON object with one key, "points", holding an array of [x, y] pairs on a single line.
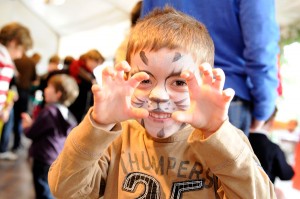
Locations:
{"points": [[143, 57], [177, 57]]}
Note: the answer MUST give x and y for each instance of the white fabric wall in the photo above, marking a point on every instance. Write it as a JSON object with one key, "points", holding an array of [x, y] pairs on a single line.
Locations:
{"points": [[106, 39], [45, 40]]}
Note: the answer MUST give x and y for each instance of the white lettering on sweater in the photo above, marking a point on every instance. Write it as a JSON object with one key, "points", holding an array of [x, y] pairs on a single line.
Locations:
{"points": [[167, 166]]}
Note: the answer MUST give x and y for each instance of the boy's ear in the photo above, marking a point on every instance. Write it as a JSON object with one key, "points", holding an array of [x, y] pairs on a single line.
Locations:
{"points": [[58, 95]]}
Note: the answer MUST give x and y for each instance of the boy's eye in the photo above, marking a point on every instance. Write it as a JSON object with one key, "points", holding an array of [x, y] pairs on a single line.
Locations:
{"points": [[179, 83], [146, 84], [147, 81]]}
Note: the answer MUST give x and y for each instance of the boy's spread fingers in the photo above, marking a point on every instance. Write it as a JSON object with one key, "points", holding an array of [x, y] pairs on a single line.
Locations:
{"points": [[120, 70], [95, 87], [96, 90], [135, 80], [182, 116], [107, 71], [190, 80], [228, 94], [108, 74], [219, 77], [139, 112], [123, 66], [120, 74], [207, 75]]}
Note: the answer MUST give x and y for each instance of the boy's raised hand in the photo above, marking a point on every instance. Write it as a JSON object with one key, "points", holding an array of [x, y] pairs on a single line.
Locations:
{"points": [[26, 120], [112, 99], [209, 102]]}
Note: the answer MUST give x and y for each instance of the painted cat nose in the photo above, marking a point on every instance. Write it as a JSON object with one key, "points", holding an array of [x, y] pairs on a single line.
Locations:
{"points": [[159, 94], [158, 100]]}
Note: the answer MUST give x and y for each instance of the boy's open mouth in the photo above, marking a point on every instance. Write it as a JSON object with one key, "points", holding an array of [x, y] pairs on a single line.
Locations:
{"points": [[159, 115]]}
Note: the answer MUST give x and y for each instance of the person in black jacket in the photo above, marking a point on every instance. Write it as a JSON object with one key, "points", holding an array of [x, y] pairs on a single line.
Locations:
{"points": [[270, 155]]}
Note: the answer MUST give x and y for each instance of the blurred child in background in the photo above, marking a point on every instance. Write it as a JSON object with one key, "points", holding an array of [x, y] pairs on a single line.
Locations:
{"points": [[50, 129]]}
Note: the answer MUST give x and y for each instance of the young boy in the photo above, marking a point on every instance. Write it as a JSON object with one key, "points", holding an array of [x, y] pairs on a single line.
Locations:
{"points": [[50, 129], [175, 140], [15, 40]]}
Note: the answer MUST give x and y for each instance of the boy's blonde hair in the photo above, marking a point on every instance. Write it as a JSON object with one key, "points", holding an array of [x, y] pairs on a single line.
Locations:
{"points": [[68, 87], [169, 28], [16, 32]]}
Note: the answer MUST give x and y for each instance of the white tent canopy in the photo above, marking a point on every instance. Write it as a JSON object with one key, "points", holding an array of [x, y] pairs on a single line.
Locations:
{"points": [[71, 28], [76, 26]]}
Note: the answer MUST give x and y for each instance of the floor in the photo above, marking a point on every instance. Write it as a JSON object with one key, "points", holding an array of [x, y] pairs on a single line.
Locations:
{"points": [[16, 179]]}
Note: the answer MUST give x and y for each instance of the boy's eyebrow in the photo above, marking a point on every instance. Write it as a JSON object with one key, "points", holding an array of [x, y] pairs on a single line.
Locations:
{"points": [[143, 57], [177, 73], [177, 57], [174, 73], [138, 71]]}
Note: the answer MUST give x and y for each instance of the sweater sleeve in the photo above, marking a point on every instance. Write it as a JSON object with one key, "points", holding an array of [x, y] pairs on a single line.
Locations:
{"points": [[81, 167], [230, 157]]}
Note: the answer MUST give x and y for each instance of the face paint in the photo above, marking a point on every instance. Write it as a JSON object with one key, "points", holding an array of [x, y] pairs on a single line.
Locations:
{"points": [[165, 91], [143, 57]]}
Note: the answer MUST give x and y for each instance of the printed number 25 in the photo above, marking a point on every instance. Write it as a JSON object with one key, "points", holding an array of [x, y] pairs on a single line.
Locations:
{"points": [[152, 187]]}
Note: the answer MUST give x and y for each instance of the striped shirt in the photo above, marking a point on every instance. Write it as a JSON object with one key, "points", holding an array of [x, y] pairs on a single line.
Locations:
{"points": [[6, 74]]}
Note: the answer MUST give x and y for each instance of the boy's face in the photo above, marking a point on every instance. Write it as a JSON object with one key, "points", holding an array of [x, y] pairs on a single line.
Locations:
{"points": [[165, 92], [51, 95]]}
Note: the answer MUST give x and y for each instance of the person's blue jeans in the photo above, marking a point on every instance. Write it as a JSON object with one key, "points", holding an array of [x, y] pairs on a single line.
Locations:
{"points": [[20, 106], [40, 179], [240, 114], [6, 132]]}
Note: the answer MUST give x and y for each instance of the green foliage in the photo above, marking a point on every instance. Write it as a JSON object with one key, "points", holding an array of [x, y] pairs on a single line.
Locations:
{"points": [[290, 35]]}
